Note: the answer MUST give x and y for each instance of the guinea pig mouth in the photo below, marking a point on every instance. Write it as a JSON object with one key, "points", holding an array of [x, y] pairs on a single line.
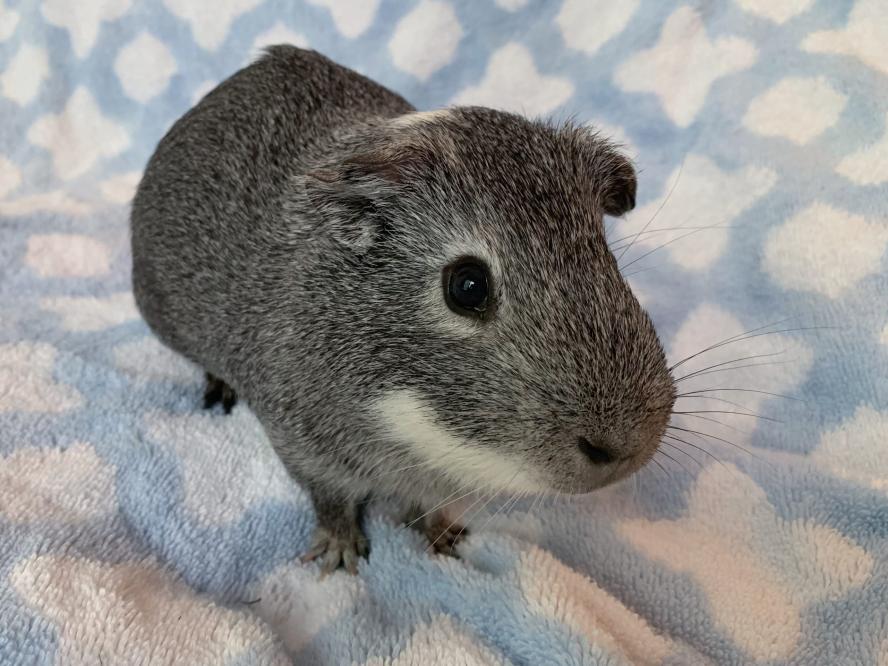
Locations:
{"points": [[622, 469], [584, 481]]}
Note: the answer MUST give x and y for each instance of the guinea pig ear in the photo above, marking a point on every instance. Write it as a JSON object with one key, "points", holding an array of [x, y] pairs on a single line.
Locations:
{"points": [[352, 196], [619, 185]]}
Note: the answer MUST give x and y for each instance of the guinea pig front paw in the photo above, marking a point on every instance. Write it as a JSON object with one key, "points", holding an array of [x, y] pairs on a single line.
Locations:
{"points": [[334, 549], [218, 391]]}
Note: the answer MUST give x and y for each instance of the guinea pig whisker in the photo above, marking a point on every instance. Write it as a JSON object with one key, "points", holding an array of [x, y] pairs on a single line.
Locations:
{"points": [[483, 506], [720, 439], [642, 270], [677, 462], [720, 423], [743, 337], [502, 508], [711, 397], [669, 242], [694, 446], [661, 230], [457, 519], [683, 452], [741, 390], [445, 502], [656, 212], [538, 500], [736, 367], [724, 363], [732, 338], [516, 497], [660, 469], [668, 471], [724, 411], [795, 329]]}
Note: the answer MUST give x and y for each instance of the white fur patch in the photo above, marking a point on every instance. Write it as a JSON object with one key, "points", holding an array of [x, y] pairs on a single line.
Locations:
{"points": [[420, 118], [413, 422]]}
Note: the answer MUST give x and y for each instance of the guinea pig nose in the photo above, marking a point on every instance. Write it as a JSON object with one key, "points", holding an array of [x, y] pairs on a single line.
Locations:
{"points": [[596, 451]]}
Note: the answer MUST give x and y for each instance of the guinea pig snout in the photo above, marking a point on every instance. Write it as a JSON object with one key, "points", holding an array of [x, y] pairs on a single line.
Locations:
{"points": [[609, 454], [598, 449]]}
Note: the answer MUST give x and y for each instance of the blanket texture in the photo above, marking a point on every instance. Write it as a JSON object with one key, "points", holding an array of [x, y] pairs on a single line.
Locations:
{"points": [[137, 528]]}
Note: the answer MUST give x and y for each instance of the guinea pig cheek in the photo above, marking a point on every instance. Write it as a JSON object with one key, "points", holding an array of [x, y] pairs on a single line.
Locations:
{"points": [[410, 420]]}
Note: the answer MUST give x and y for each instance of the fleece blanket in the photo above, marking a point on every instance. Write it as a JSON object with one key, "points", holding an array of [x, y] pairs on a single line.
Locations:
{"points": [[137, 528]]}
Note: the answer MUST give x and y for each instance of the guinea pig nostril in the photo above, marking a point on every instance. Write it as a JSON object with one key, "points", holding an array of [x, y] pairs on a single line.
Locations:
{"points": [[596, 452]]}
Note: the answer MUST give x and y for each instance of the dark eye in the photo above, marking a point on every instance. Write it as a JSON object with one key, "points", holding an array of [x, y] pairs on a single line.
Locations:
{"points": [[466, 287]]}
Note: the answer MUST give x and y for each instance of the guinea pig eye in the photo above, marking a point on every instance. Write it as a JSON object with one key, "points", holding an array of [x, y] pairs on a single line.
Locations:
{"points": [[466, 287]]}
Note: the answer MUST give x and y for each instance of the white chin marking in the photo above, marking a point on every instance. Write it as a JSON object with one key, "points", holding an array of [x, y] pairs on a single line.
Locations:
{"points": [[412, 422]]}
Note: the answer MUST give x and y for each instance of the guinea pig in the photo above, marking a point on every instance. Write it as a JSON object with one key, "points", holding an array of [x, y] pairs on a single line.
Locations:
{"points": [[415, 305]]}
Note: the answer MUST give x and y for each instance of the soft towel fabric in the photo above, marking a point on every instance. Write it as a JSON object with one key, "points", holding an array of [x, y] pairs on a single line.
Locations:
{"points": [[137, 528]]}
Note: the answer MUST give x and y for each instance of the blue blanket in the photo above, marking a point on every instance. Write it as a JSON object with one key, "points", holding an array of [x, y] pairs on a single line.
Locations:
{"points": [[137, 528]]}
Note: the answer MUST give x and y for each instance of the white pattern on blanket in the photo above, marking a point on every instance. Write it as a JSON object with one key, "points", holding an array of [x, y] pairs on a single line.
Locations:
{"points": [[136, 528]]}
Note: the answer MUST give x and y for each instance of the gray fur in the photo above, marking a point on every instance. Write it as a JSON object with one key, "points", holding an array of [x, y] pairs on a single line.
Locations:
{"points": [[287, 234]]}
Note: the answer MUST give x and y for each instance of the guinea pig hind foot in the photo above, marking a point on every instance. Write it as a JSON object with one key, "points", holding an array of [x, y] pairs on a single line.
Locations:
{"points": [[338, 539], [218, 391]]}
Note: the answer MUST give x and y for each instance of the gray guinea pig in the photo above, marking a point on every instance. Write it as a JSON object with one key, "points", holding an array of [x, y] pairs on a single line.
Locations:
{"points": [[415, 305]]}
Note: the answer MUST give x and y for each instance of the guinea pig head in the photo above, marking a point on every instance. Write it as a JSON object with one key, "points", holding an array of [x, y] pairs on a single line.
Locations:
{"points": [[508, 352]]}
